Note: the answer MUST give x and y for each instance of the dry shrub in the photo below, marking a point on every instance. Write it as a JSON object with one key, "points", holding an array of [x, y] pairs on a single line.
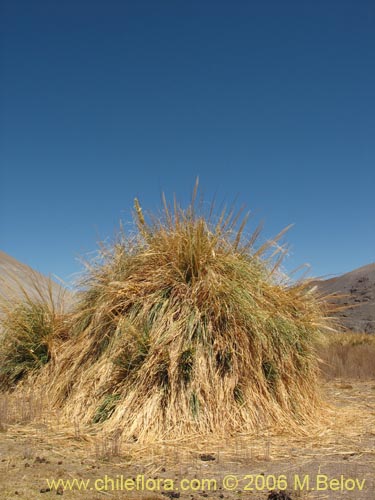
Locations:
{"points": [[348, 355], [184, 328]]}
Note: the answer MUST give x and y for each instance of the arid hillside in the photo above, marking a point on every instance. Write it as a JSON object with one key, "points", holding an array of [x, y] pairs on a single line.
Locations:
{"points": [[15, 277], [356, 290]]}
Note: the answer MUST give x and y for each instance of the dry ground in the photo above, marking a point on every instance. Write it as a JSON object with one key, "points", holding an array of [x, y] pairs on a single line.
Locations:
{"points": [[42, 447]]}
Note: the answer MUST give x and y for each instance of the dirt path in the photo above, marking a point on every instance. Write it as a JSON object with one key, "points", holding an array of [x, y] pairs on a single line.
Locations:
{"points": [[334, 461]]}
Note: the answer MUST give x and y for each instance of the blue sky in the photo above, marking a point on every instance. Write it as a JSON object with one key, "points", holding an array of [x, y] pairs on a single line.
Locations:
{"points": [[269, 102]]}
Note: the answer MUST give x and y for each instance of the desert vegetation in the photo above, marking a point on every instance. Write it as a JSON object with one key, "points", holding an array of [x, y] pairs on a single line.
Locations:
{"points": [[184, 327], [345, 355], [182, 331], [33, 326]]}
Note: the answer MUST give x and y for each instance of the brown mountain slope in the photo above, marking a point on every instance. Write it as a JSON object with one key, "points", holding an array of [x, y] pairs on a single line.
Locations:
{"points": [[15, 276], [358, 293]]}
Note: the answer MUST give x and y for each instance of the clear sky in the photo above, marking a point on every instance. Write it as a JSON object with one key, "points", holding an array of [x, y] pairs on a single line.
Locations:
{"points": [[269, 102]]}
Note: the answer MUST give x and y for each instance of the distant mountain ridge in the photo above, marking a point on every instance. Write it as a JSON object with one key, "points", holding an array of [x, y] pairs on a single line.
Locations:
{"points": [[357, 290]]}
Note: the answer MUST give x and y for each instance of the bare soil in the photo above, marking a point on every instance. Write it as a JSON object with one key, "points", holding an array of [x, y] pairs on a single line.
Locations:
{"points": [[342, 444]]}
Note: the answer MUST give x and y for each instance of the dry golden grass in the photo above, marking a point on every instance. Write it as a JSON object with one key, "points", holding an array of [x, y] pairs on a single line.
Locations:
{"points": [[186, 328], [344, 445], [34, 324], [348, 355]]}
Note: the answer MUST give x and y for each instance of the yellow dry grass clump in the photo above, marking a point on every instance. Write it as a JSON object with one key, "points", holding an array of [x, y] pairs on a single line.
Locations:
{"points": [[33, 324], [185, 328]]}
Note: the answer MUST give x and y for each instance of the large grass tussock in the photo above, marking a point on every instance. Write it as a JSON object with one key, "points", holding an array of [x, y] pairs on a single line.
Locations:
{"points": [[183, 328]]}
